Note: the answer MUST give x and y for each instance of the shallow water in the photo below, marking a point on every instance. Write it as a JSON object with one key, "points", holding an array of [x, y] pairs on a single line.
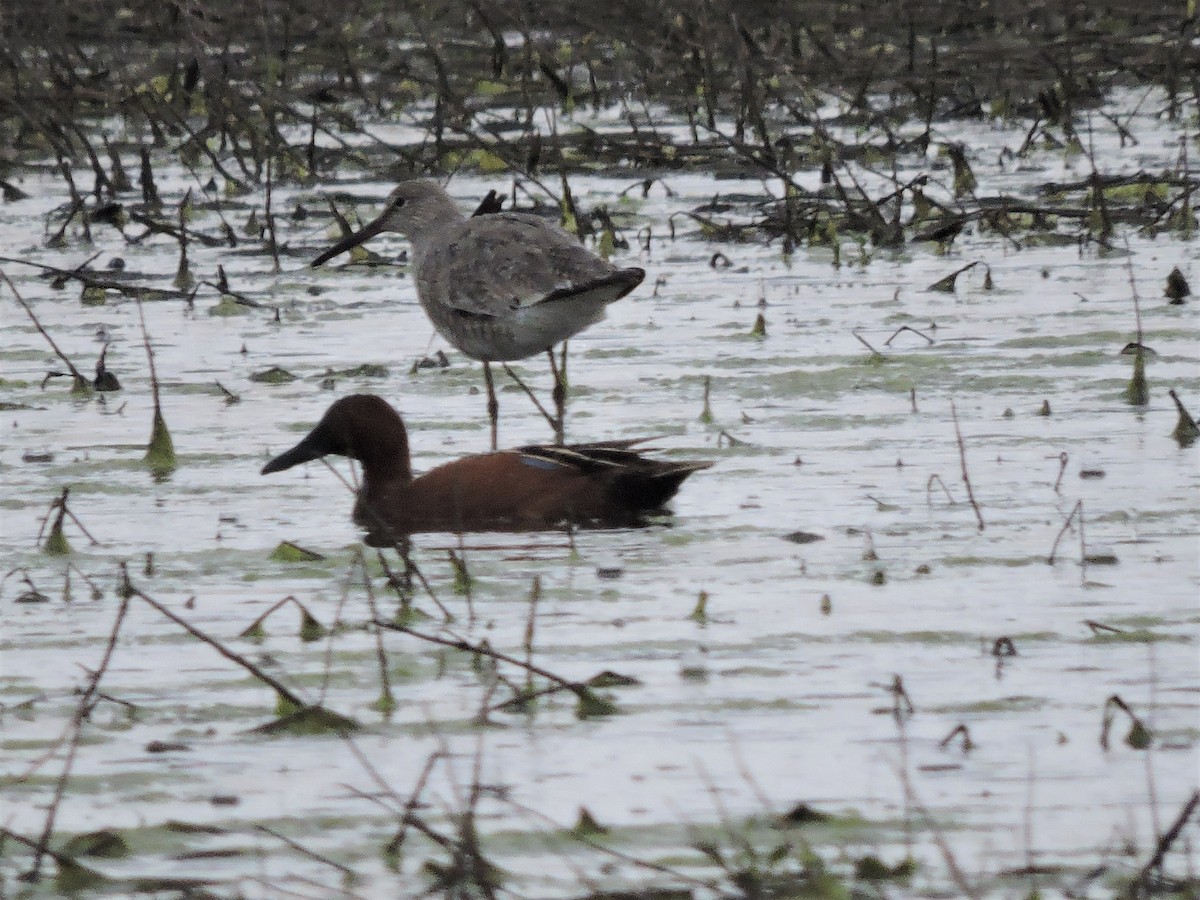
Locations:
{"points": [[769, 703]]}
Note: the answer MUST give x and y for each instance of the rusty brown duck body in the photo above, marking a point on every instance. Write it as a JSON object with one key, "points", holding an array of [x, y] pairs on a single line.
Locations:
{"points": [[607, 484]]}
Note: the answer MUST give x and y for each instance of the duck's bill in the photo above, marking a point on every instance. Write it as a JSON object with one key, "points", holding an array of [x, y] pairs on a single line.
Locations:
{"points": [[303, 452], [351, 241]]}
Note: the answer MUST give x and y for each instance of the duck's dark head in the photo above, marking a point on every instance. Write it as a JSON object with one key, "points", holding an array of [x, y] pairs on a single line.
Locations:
{"points": [[363, 427]]}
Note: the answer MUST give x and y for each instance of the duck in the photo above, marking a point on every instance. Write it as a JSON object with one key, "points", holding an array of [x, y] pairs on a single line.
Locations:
{"points": [[609, 484], [501, 286]]}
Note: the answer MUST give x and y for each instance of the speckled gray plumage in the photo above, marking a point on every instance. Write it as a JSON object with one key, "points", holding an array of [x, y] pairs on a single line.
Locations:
{"points": [[502, 286]]}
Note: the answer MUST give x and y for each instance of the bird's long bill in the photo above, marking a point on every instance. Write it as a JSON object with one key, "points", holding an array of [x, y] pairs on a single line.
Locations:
{"points": [[364, 234], [305, 451]]}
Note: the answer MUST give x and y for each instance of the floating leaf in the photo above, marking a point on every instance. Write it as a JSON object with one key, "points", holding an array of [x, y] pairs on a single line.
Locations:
{"points": [[592, 704], [366, 370], [1186, 431], [289, 552], [273, 375], [945, 285], [706, 416], [700, 612], [760, 327], [1139, 736], [310, 629], [285, 707], [1138, 392], [73, 877], [386, 702], [872, 868], [92, 295], [1177, 287], [107, 844], [608, 243], [183, 275], [407, 614], [462, 575], [609, 678], [160, 454], [228, 306], [309, 721], [256, 633], [964, 178], [587, 825], [56, 542], [803, 537], [803, 814]]}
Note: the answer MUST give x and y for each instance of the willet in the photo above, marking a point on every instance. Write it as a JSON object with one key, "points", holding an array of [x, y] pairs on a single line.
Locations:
{"points": [[501, 286], [607, 484]]}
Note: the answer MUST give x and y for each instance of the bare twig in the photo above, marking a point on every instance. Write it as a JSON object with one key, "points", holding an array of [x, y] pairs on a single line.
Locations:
{"points": [[81, 383], [82, 710], [962, 455]]}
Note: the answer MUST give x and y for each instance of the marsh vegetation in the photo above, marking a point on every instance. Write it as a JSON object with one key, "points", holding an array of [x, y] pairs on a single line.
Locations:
{"points": [[920, 284]]}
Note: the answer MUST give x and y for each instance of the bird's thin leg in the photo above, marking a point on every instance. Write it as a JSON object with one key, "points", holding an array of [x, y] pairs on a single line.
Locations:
{"points": [[560, 394], [493, 405]]}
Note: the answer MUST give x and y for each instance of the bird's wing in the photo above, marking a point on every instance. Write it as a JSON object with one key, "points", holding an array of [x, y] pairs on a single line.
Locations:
{"points": [[491, 265]]}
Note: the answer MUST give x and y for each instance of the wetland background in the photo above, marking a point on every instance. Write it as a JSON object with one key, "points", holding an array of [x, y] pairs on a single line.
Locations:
{"points": [[890, 247]]}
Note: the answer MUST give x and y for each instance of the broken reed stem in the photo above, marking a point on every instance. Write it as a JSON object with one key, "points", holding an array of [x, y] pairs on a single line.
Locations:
{"points": [[875, 354], [1137, 305], [939, 839], [468, 833], [199, 635], [929, 490], [349, 485], [80, 381], [579, 690], [64, 512], [535, 594], [82, 710], [58, 503], [962, 455], [467, 580], [1076, 512], [1166, 841], [150, 359], [410, 566], [592, 844], [407, 816], [331, 634], [1062, 470], [290, 598], [550, 419], [270, 223], [414, 798], [311, 854], [387, 700], [59, 858], [888, 342]]}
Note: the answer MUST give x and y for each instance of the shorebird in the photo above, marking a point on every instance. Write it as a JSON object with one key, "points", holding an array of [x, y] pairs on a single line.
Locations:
{"points": [[501, 286], [605, 485]]}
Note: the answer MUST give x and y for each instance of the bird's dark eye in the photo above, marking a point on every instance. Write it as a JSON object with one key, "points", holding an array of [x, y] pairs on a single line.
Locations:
{"points": [[397, 203]]}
